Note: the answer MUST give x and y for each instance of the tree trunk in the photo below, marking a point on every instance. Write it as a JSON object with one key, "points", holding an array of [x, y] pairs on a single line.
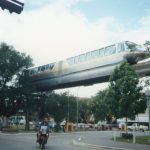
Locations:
{"points": [[27, 127], [126, 124]]}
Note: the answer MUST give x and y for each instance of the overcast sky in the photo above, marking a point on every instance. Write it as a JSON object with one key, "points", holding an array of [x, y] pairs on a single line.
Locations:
{"points": [[52, 30]]}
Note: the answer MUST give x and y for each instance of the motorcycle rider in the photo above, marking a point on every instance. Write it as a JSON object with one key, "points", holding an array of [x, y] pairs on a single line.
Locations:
{"points": [[43, 130]]}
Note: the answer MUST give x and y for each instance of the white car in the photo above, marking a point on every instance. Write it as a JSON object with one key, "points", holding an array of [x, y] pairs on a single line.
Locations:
{"points": [[136, 127], [22, 122]]}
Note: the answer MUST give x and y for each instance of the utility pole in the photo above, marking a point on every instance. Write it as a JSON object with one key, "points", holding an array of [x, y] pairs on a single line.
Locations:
{"points": [[149, 114], [68, 109], [147, 92], [77, 108]]}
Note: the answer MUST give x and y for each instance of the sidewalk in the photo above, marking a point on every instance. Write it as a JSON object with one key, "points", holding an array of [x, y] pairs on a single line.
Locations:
{"points": [[103, 144]]}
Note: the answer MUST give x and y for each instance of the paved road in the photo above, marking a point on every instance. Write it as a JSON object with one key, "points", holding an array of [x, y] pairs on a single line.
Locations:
{"points": [[27, 142], [68, 141]]}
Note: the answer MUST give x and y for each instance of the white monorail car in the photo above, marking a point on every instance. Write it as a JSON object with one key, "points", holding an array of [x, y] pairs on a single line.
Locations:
{"points": [[88, 68]]}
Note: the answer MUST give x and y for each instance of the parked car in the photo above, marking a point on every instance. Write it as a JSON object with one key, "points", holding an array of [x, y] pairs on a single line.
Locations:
{"points": [[122, 125], [136, 127], [18, 120], [101, 125]]}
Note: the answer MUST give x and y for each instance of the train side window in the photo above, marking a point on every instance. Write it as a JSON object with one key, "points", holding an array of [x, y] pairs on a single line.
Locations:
{"points": [[43, 68], [35, 70], [88, 55], [95, 53], [76, 59], [106, 51], [70, 61], [110, 50], [120, 47], [101, 52], [39, 69], [82, 58], [113, 49]]}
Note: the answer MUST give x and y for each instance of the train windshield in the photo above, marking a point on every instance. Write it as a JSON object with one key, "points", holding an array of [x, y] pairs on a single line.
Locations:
{"points": [[134, 47]]}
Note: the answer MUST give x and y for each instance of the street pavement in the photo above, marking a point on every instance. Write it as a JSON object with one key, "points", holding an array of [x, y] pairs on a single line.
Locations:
{"points": [[99, 140], [107, 140]]}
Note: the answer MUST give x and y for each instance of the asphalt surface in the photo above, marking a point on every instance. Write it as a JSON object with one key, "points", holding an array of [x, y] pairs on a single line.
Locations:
{"points": [[107, 140], [99, 140]]}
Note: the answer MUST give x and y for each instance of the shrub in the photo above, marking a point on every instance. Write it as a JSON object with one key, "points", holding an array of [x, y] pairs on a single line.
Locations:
{"points": [[127, 135]]}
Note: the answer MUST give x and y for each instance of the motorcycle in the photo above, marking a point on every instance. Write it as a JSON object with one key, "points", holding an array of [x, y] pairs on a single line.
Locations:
{"points": [[43, 140], [43, 135]]}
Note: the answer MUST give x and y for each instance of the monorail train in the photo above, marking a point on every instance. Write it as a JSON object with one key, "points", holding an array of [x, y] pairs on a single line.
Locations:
{"points": [[88, 68]]}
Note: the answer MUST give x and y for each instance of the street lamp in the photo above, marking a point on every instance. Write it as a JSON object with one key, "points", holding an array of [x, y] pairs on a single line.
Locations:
{"points": [[149, 114], [77, 112], [77, 107], [68, 108], [68, 114]]}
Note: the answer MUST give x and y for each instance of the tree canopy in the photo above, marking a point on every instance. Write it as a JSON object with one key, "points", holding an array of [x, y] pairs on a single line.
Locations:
{"points": [[125, 97], [99, 106], [12, 64], [147, 45]]}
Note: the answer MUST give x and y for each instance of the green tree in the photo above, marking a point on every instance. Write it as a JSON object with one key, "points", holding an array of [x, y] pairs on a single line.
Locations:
{"points": [[84, 109], [12, 63], [56, 106], [26, 99], [99, 106], [125, 97], [147, 45], [72, 108]]}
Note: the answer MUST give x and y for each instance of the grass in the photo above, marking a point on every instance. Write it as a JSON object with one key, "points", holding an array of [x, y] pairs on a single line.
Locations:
{"points": [[138, 140]]}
